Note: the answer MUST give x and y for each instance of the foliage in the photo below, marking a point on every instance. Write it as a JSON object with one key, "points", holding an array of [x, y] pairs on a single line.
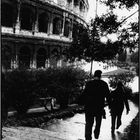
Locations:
{"points": [[87, 42], [122, 57], [101, 51], [124, 77], [107, 23], [20, 90], [62, 83], [128, 36], [120, 3], [80, 45], [137, 70], [134, 57], [88, 46], [4, 103], [68, 82]]}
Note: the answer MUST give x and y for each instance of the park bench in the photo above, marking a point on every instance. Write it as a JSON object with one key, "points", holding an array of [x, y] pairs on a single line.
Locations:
{"points": [[48, 101]]}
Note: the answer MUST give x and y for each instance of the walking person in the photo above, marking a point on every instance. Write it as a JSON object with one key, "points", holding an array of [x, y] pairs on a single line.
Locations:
{"points": [[94, 95], [117, 102]]}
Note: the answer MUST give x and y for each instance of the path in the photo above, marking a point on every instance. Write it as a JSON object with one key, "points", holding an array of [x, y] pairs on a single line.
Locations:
{"points": [[70, 129]]}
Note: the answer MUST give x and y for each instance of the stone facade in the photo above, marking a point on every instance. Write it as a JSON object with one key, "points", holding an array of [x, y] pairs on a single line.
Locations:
{"points": [[34, 32]]}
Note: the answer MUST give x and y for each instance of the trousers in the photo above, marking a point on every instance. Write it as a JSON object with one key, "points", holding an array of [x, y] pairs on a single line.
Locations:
{"points": [[90, 118]]}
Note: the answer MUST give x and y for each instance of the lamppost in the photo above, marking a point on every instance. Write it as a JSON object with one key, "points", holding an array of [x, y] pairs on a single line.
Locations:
{"points": [[93, 39]]}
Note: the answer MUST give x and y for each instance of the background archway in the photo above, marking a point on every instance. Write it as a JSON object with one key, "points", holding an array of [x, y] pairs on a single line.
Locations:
{"points": [[24, 57], [41, 58]]}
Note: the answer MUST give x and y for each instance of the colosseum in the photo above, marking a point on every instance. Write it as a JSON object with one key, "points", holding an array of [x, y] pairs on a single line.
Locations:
{"points": [[34, 31]]}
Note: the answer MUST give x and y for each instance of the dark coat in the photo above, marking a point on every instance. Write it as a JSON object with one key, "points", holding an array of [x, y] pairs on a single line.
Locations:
{"points": [[118, 100], [94, 96]]}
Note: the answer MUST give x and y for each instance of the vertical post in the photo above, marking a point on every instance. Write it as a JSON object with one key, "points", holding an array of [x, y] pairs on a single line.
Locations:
{"points": [[63, 24], [93, 40], [36, 20], [91, 69], [51, 23], [17, 26]]}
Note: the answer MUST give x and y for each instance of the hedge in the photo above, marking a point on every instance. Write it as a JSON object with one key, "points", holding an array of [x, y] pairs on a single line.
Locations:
{"points": [[23, 87]]}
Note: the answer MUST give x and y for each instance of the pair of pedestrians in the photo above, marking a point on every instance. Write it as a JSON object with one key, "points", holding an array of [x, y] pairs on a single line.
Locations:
{"points": [[94, 97]]}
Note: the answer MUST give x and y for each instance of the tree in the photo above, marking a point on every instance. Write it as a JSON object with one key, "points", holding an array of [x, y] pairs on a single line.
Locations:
{"points": [[127, 35], [88, 46], [122, 56], [134, 57], [120, 3], [87, 42]]}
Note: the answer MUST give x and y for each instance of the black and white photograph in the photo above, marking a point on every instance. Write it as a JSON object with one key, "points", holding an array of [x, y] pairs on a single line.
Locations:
{"points": [[70, 69]]}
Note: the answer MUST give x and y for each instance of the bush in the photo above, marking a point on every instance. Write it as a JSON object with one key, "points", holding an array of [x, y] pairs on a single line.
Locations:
{"points": [[4, 103], [125, 78], [20, 90], [61, 83], [24, 87], [135, 97]]}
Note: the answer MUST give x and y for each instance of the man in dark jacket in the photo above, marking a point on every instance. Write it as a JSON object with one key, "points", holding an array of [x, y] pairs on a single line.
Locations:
{"points": [[94, 94]]}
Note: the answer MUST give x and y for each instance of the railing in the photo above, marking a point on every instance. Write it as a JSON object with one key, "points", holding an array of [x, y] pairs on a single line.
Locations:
{"points": [[36, 34]]}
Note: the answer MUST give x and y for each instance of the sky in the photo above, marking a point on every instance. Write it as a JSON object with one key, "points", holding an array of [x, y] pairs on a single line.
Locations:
{"points": [[102, 9]]}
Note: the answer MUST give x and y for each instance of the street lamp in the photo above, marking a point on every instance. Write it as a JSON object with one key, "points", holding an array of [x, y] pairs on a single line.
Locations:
{"points": [[93, 40]]}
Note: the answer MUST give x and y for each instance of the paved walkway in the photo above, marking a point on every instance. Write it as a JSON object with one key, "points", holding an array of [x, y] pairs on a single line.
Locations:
{"points": [[69, 129]]}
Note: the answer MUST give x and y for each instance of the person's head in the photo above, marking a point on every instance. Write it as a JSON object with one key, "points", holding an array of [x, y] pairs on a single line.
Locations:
{"points": [[119, 84], [97, 73]]}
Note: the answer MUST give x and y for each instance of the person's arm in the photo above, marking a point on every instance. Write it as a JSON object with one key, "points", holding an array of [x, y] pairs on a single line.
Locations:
{"points": [[108, 97], [81, 99], [126, 101]]}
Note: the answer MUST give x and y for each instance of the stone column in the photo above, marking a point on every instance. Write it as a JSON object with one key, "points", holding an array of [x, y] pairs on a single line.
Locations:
{"points": [[71, 28], [36, 21], [17, 26], [16, 61], [63, 26], [34, 63], [51, 23], [59, 63], [47, 63], [72, 4], [12, 57]]}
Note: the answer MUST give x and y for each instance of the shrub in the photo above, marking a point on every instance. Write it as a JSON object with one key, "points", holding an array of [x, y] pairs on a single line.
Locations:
{"points": [[135, 97], [20, 86], [61, 83], [124, 77], [23, 87], [4, 103]]}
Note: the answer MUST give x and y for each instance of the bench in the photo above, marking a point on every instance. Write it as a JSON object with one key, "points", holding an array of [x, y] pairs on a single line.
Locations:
{"points": [[48, 100]]}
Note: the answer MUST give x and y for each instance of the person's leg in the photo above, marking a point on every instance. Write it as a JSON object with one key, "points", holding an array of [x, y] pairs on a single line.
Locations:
{"points": [[98, 125], [113, 120], [88, 127], [119, 122]]}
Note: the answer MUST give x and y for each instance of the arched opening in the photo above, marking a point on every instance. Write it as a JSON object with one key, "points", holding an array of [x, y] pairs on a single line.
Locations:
{"points": [[27, 17], [54, 56], [7, 12], [6, 57], [69, 1], [43, 22], [24, 57], [41, 58], [75, 2], [75, 30], [67, 29], [57, 26], [81, 6]]}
